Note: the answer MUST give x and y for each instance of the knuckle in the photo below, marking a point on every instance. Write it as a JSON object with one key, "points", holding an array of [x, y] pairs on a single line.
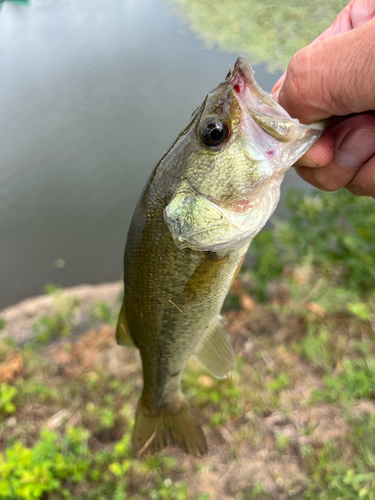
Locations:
{"points": [[299, 76], [326, 180], [307, 79], [356, 190], [359, 188]]}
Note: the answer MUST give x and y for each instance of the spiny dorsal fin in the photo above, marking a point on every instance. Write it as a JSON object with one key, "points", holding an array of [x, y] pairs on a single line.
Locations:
{"points": [[215, 352], [122, 333]]}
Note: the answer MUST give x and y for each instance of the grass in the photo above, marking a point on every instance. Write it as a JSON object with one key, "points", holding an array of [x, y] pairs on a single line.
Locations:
{"points": [[61, 322], [296, 420], [100, 312], [334, 477], [7, 394]]}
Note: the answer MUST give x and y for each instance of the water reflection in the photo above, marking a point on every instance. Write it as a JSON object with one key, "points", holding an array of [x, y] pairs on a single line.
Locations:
{"points": [[268, 31]]}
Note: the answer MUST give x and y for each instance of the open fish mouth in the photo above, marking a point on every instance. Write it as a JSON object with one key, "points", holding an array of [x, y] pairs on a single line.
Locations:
{"points": [[241, 76], [264, 111], [250, 93]]}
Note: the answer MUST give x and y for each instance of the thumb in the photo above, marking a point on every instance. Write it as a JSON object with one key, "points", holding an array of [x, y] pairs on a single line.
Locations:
{"points": [[334, 76]]}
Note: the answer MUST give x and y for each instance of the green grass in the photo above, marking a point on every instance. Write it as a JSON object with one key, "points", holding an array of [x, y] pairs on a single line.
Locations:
{"points": [[60, 322], [219, 400], [64, 465], [333, 477], [356, 380], [7, 395], [31, 473], [100, 312]]}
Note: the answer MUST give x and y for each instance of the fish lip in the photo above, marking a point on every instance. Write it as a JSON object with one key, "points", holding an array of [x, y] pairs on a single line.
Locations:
{"points": [[241, 77]]}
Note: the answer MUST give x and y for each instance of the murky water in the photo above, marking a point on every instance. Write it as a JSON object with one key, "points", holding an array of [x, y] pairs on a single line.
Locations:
{"points": [[92, 94]]}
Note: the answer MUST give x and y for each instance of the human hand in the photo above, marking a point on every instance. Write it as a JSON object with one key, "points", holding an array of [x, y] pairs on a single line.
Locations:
{"points": [[335, 76]]}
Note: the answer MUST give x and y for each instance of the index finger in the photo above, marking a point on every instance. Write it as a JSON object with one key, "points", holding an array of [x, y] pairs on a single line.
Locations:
{"points": [[320, 153]]}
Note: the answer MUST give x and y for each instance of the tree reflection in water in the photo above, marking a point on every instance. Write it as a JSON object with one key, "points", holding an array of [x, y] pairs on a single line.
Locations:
{"points": [[268, 31]]}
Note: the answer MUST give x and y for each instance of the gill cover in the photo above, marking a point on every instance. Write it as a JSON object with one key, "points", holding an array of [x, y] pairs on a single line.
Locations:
{"points": [[197, 223]]}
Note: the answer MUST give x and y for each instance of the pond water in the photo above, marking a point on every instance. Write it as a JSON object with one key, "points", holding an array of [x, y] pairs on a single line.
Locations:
{"points": [[92, 94]]}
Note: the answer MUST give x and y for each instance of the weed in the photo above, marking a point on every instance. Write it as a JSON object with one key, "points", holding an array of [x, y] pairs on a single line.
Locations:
{"points": [[167, 490], [100, 312], [276, 386], [332, 477], [355, 381], [28, 474], [255, 493], [282, 442], [7, 394], [35, 391], [319, 346], [7, 348], [158, 462], [100, 418], [279, 383], [333, 232], [362, 310], [61, 321], [220, 397]]}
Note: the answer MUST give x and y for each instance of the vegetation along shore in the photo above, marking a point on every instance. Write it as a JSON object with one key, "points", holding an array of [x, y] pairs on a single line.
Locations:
{"points": [[296, 420]]}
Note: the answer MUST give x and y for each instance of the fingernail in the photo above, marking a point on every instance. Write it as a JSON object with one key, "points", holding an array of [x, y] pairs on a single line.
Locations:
{"points": [[306, 162], [356, 148]]}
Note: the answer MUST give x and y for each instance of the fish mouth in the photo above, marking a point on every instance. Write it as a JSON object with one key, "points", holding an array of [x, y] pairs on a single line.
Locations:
{"points": [[241, 77], [259, 105], [249, 93]]}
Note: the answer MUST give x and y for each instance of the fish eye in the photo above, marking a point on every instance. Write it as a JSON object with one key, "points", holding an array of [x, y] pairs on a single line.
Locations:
{"points": [[213, 132]]}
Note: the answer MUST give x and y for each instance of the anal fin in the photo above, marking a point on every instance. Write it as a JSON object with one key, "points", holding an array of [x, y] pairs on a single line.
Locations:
{"points": [[122, 333], [215, 353]]}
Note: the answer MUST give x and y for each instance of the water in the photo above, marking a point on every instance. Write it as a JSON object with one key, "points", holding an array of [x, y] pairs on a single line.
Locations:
{"points": [[92, 94]]}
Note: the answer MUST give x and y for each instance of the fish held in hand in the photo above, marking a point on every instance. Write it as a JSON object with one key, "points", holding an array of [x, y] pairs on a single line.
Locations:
{"points": [[207, 198]]}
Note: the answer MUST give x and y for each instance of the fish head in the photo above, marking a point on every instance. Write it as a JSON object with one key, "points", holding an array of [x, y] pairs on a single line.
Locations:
{"points": [[240, 144]]}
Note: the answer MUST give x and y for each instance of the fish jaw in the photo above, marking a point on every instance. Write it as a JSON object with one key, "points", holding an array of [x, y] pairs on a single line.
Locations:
{"points": [[269, 132]]}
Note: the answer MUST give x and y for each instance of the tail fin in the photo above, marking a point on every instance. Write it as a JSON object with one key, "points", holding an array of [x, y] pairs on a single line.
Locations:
{"points": [[153, 433]]}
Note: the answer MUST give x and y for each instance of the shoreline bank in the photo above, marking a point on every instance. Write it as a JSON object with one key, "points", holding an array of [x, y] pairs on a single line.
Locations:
{"points": [[19, 318]]}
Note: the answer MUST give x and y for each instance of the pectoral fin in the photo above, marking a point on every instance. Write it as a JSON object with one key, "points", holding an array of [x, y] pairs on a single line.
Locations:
{"points": [[122, 333], [215, 352], [205, 274]]}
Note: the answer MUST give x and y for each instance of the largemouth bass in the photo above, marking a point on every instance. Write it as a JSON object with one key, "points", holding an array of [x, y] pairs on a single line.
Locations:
{"points": [[207, 198]]}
